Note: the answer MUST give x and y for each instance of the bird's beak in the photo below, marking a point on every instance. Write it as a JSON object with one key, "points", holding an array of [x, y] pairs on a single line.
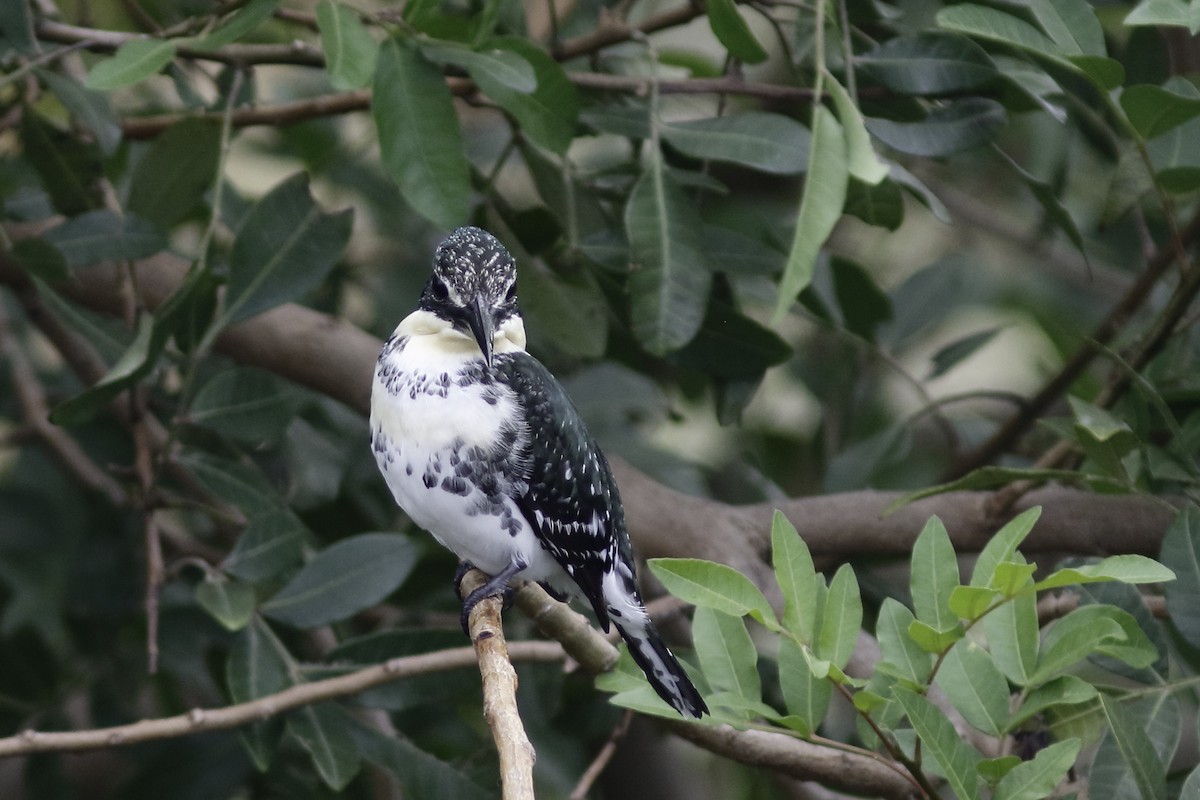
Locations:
{"points": [[483, 327]]}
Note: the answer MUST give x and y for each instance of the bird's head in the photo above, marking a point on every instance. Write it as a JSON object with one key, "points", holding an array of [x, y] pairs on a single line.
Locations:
{"points": [[474, 288]]}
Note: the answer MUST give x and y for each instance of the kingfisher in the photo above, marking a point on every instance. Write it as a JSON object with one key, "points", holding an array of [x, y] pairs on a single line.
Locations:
{"points": [[482, 447]]}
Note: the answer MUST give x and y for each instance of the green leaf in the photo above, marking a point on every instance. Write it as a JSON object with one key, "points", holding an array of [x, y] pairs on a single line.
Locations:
{"points": [[1071, 24], [67, 167], [547, 114], [862, 161], [932, 640], [929, 63], [796, 576], [1012, 635], [92, 109], [971, 602], [955, 757], [496, 67], [238, 24], [1125, 569], [1181, 552], [726, 652], [269, 545], [1012, 577], [1066, 690], [951, 355], [1154, 110], [716, 586], [229, 602], [733, 32], [732, 346], [864, 306], [1003, 545], [16, 27], [570, 310], [1073, 638], [934, 576], [901, 656], [133, 365], [105, 236], [841, 620], [323, 730], [993, 769], [187, 151], [820, 206], [343, 579], [805, 695], [419, 138], [757, 139], [133, 62], [975, 686], [1137, 750], [881, 205], [1036, 779], [238, 483], [997, 26], [350, 52], [284, 248], [1170, 13], [670, 284], [245, 404], [945, 130], [1101, 424], [258, 664], [421, 775], [41, 259]]}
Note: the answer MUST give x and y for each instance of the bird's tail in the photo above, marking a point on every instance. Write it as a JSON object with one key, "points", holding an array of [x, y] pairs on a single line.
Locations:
{"points": [[662, 669]]}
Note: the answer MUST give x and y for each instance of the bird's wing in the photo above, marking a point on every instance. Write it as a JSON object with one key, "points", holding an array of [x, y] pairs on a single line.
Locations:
{"points": [[571, 500]]}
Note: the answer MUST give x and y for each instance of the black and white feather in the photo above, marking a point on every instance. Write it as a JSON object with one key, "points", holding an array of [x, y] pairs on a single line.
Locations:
{"points": [[481, 446]]}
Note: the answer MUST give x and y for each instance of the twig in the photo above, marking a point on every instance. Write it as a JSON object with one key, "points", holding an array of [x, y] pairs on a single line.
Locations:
{"points": [[499, 692], [32, 398], [602, 758], [199, 719], [1016, 425]]}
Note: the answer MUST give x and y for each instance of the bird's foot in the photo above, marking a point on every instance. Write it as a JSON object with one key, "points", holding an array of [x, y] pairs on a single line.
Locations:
{"points": [[497, 586]]}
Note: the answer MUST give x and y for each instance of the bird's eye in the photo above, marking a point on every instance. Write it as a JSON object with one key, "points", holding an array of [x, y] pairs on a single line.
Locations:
{"points": [[511, 294], [440, 292]]}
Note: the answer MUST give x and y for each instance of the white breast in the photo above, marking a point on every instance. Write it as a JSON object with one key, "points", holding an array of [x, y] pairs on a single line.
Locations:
{"points": [[435, 431]]}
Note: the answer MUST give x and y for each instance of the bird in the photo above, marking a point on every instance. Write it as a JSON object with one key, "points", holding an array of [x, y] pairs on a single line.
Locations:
{"points": [[481, 447]]}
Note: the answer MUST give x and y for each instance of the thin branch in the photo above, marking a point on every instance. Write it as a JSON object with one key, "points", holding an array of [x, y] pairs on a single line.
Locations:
{"points": [[32, 398], [199, 719], [596, 768], [297, 53], [1016, 425], [329, 105], [499, 692]]}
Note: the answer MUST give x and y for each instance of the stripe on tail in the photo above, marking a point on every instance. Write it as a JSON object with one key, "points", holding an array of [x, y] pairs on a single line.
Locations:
{"points": [[662, 669]]}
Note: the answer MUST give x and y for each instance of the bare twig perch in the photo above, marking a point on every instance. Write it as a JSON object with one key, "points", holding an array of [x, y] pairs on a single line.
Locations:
{"points": [[499, 692]]}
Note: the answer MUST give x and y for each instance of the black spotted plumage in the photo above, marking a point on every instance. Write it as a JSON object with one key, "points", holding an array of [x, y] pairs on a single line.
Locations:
{"points": [[571, 501]]}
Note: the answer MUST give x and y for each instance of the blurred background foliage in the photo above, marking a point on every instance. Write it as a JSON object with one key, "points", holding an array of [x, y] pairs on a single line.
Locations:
{"points": [[1007, 191]]}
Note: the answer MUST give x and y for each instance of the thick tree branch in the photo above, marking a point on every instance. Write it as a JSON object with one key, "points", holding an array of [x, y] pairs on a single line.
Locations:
{"points": [[836, 769], [199, 719], [337, 359]]}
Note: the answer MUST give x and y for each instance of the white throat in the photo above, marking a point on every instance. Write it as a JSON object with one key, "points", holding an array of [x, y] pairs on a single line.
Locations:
{"points": [[440, 336]]}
